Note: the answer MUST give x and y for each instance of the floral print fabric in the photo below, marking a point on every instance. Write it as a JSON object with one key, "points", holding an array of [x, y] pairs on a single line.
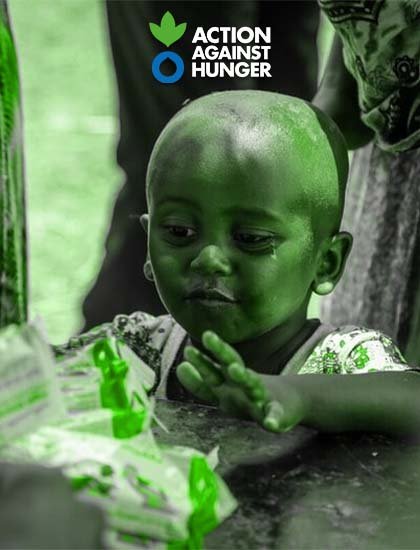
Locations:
{"points": [[354, 350], [381, 49]]}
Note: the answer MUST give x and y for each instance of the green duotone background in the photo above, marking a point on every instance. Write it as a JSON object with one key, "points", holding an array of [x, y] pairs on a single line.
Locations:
{"points": [[70, 133], [70, 128]]}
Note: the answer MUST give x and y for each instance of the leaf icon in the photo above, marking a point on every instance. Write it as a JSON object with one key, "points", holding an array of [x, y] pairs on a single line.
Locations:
{"points": [[168, 20], [168, 32]]}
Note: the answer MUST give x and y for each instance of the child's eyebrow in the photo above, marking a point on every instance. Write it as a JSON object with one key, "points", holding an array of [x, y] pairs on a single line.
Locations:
{"points": [[177, 200], [255, 212]]}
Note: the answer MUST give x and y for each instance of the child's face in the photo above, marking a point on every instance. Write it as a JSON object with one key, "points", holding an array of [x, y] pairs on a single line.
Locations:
{"points": [[231, 238]]}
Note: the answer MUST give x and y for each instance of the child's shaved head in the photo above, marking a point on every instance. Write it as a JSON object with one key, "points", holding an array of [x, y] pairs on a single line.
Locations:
{"points": [[245, 194], [284, 134]]}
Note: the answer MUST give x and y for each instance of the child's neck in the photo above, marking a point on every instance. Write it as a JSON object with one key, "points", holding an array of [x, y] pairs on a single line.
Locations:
{"points": [[257, 352]]}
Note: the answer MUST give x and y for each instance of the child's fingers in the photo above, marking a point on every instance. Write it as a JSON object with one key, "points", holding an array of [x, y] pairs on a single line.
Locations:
{"points": [[249, 381], [209, 373], [237, 373], [223, 352], [254, 386], [191, 379]]}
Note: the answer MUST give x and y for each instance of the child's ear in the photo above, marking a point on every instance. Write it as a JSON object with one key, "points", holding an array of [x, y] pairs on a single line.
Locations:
{"points": [[144, 220], [332, 263]]}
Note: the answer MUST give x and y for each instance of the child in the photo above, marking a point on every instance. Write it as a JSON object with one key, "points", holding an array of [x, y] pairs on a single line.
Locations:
{"points": [[245, 193]]}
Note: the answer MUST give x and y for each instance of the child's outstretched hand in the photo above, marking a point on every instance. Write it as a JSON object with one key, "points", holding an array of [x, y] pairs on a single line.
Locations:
{"points": [[222, 377]]}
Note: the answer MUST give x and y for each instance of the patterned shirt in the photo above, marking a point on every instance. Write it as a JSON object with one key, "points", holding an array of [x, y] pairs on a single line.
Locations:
{"points": [[156, 341]]}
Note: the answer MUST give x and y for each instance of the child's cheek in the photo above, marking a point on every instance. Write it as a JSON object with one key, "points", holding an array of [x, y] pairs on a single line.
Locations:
{"points": [[165, 264], [288, 269]]}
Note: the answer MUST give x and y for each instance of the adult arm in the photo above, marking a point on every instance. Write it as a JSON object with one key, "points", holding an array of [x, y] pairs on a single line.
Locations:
{"points": [[338, 97]]}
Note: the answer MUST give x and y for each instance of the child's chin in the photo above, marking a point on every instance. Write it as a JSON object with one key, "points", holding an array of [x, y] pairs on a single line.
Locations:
{"points": [[223, 328]]}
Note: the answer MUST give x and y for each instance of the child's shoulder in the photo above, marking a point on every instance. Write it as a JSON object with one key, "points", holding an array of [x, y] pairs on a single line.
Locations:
{"points": [[145, 334], [353, 350]]}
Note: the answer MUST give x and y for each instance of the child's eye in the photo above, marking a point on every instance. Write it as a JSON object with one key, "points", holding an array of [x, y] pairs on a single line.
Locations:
{"points": [[179, 233], [254, 241]]}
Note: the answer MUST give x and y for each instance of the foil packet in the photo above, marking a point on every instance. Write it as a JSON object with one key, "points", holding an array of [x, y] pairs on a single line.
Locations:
{"points": [[154, 496], [107, 376], [29, 390], [149, 493]]}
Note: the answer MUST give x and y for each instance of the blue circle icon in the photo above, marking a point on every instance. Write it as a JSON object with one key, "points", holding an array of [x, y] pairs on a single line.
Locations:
{"points": [[179, 67]]}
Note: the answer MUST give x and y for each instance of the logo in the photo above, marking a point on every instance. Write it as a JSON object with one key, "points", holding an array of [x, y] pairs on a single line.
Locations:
{"points": [[168, 33], [218, 52]]}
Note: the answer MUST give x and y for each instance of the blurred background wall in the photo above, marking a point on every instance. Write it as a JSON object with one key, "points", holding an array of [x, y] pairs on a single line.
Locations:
{"points": [[70, 130]]}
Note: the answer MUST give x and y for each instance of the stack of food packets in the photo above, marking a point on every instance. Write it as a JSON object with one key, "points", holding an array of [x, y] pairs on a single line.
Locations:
{"points": [[104, 393], [29, 390], [102, 440]]}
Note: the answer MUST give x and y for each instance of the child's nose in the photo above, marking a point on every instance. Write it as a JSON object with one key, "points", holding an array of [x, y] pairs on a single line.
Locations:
{"points": [[211, 260]]}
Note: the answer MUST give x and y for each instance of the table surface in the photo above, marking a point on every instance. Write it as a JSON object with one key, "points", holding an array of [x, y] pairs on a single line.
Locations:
{"points": [[301, 489]]}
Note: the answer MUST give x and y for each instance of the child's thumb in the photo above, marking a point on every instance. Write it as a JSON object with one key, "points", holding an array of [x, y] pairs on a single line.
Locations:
{"points": [[275, 418]]}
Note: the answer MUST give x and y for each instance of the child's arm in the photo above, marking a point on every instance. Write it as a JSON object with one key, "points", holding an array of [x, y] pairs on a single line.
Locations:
{"points": [[338, 97], [380, 402]]}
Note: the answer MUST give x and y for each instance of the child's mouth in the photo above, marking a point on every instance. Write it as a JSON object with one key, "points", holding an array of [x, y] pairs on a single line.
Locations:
{"points": [[211, 296]]}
